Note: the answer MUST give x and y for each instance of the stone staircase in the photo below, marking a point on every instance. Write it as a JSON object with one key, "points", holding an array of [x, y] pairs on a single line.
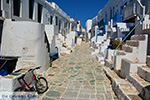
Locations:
{"points": [[133, 51], [101, 52], [122, 88], [141, 80], [61, 44], [131, 67]]}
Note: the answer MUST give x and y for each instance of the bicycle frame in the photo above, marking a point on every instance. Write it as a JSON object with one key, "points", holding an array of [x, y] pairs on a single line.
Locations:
{"points": [[28, 85]]}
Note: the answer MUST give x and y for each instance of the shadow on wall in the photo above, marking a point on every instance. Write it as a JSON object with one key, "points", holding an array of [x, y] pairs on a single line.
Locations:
{"points": [[1, 30], [47, 43]]}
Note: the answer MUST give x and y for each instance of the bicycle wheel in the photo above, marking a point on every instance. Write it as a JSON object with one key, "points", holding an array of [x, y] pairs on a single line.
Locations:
{"points": [[18, 89], [41, 85]]}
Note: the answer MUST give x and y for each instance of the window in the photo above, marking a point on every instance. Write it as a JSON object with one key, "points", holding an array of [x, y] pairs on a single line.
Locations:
{"points": [[65, 24], [59, 25], [39, 13], [113, 11], [31, 7], [106, 16], [7, 1], [110, 13], [16, 7], [56, 20], [51, 20]]}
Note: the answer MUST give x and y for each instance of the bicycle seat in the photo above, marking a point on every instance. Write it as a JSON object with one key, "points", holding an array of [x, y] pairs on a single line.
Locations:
{"points": [[34, 69], [38, 67]]}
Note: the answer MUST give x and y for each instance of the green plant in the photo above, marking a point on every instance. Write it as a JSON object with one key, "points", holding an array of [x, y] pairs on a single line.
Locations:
{"points": [[117, 42]]}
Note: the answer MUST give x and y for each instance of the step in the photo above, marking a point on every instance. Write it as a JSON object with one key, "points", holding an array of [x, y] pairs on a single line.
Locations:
{"points": [[122, 88], [144, 72], [99, 57], [148, 61], [128, 67], [95, 51], [134, 43], [127, 48], [108, 63], [138, 37], [141, 85], [102, 62], [120, 52]]}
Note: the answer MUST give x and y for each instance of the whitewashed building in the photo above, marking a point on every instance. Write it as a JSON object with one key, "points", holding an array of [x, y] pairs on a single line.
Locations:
{"points": [[128, 68], [28, 30], [88, 27]]}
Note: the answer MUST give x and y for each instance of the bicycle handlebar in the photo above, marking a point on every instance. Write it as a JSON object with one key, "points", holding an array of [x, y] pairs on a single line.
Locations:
{"points": [[34, 69]]}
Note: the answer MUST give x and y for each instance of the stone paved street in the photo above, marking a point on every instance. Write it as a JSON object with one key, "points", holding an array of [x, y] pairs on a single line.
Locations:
{"points": [[77, 76]]}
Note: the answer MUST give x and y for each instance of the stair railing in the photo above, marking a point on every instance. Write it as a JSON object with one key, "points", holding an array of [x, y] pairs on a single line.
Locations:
{"points": [[131, 31]]}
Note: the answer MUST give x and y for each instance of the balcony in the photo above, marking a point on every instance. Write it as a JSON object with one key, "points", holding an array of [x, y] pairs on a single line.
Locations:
{"points": [[116, 18], [133, 9]]}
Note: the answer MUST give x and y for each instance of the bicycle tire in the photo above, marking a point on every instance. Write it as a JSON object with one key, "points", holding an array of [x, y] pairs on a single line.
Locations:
{"points": [[18, 89], [41, 85]]}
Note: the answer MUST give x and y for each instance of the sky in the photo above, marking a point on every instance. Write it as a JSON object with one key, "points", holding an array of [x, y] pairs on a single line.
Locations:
{"points": [[81, 9]]}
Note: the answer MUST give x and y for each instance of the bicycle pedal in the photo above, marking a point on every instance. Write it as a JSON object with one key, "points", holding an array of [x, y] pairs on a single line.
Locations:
{"points": [[32, 89]]}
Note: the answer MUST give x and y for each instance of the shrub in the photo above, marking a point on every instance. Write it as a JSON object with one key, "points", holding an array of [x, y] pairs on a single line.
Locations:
{"points": [[117, 42]]}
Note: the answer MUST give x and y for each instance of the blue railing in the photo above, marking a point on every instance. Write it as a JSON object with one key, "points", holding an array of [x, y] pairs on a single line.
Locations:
{"points": [[79, 33], [116, 18], [54, 56]]}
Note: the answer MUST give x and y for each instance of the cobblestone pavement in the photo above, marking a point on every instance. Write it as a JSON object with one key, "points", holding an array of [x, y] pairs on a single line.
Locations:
{"points": [[77, 76]]}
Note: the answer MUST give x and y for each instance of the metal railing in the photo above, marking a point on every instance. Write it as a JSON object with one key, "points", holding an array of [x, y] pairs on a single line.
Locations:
{"points": [[133, 9]]}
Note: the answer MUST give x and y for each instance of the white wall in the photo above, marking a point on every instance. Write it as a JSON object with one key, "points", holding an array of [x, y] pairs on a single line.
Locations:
{"points": [[26, 41], [88, 25]]}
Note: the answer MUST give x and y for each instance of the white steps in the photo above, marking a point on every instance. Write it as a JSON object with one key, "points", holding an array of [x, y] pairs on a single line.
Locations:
{"points": [[108, 63], [138, 37], [148, 61], [95, 51], [134, 43], [130, 63], [122, 88], [120, 52], [144, 72], [99, 57], [127, 48], [141, 85], [128, 67]]}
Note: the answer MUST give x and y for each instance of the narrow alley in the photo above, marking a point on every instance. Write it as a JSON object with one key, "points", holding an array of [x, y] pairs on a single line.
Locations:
{"points": [[78, 76]]}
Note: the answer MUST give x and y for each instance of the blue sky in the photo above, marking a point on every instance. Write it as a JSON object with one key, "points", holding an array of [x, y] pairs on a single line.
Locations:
{"points": [[81, 9]]}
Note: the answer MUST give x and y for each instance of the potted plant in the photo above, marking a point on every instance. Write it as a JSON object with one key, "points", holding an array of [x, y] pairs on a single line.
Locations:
{"points": [[116, 43]]}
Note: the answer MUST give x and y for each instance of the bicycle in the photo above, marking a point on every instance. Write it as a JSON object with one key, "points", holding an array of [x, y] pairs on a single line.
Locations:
{"points": [[39, 84]]}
